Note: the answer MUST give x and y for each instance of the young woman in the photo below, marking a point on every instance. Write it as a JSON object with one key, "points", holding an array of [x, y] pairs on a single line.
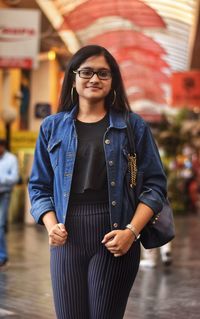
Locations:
{"points": [[77, 189]]}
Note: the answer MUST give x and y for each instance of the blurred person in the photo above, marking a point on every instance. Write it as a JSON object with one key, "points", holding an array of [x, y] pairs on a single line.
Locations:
{"points": [[150, 256], [166, 254], [8, 178], [24, 102], [78, 191]]}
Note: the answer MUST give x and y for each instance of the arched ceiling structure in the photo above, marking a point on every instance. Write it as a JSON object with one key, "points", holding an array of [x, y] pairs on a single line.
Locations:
{"points": [[149, 38]]}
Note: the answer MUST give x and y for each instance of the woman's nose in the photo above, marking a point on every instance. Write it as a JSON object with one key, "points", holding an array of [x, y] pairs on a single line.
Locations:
{"points": [[94, 78]]}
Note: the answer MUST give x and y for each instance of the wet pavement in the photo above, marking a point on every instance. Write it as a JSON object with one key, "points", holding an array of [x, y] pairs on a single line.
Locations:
{"points": [[160, 293]]}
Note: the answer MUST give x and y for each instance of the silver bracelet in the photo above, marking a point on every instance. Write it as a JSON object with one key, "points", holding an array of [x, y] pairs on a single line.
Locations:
{"points": [[134, 231]]}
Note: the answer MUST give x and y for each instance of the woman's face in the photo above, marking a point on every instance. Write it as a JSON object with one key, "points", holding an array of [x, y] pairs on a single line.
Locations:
{"points": [[94, 89]]}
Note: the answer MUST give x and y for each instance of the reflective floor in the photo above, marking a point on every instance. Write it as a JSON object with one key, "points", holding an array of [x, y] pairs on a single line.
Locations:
{"points": [[160, 293]]}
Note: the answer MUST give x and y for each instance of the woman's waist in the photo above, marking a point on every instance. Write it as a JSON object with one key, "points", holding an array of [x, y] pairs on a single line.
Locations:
{"points": [[89, 196]]}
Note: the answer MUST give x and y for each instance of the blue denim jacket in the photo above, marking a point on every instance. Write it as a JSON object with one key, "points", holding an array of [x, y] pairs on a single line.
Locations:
{"points": [[51, 177]]}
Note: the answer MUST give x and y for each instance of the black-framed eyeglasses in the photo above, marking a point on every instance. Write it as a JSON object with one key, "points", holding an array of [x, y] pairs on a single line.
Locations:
{"points": [[102, 74]]}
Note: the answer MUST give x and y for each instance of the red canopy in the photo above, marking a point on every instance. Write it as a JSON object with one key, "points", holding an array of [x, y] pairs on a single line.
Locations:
{"points": [[135, 11]]}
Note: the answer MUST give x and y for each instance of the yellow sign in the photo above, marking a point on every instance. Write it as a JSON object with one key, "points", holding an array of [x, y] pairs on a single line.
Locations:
{"points": [[23, 140]]}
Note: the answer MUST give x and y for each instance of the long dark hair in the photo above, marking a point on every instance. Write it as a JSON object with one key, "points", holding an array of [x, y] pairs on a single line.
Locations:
{"points": [[120, 103]]}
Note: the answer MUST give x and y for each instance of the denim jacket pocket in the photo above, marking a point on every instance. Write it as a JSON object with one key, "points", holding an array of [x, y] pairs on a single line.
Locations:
{"points": [[53, 149]]}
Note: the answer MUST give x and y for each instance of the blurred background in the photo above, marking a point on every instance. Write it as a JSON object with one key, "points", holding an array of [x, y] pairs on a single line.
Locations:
{"points": [[157, 45]]}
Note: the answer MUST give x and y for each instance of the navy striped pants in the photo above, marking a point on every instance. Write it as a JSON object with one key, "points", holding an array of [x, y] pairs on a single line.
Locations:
{"points": [[88, 281]]}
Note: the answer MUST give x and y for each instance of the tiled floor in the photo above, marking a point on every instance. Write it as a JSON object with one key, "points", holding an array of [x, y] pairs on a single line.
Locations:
{"points": [[160, 293]]}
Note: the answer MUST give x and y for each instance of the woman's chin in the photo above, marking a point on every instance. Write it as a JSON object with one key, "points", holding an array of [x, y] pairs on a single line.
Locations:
{"points": [[95, 98]]}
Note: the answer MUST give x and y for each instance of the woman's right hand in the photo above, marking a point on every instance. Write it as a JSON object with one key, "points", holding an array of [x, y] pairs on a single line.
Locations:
{"points": [[57, 235]]}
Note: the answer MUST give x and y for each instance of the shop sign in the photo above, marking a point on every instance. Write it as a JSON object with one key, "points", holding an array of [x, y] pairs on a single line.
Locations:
{"points": [[19, 38], [42, 110], [186, 89], [21, 140]]}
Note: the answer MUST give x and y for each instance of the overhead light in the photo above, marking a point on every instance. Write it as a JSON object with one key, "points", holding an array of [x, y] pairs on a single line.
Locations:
{"points": [[44, 56], [51, 55]]}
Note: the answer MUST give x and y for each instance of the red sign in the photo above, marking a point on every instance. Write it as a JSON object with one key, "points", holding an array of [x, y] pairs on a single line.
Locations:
{"points": [[16, 63], [19, 38], [186, 89]]}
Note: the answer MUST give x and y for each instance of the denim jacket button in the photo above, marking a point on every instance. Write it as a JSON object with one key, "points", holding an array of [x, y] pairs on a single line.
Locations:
{"points": [[107, 141], [111, 163], [112, 183], [115, 225], [114, 203]]}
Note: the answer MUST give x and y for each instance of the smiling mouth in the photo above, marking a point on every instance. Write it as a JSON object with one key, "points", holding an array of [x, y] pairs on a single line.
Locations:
{"points": [[94, 87]]}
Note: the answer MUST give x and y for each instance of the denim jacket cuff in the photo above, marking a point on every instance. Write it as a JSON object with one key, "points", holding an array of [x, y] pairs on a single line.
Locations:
{"points": [[40, 208], [155, 205]]}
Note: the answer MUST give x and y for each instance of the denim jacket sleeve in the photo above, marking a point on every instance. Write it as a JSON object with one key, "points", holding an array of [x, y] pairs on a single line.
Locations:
{"points": [[41, 179], [154, 189]]}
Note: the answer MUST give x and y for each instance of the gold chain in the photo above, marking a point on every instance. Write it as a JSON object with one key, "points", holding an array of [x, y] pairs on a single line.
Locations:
{"points": [[132, 167]]}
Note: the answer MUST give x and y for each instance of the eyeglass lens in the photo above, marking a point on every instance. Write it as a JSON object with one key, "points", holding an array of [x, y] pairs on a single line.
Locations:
{"points": [[88, 74]]}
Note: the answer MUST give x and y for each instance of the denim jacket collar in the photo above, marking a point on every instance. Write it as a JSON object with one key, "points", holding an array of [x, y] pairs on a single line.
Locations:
{"points": [[117, 119], [71, 114]]}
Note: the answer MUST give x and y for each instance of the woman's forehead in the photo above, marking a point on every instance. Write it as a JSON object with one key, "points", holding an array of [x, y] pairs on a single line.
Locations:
{"points": [[97, 61]]}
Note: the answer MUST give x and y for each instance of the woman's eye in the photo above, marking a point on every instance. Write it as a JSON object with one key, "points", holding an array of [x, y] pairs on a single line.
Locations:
{"points": [[86, 72], [103, 73]]}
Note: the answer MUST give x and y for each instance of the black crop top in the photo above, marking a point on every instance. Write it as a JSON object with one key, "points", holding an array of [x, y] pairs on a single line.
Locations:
{"points": [[89, 182]]}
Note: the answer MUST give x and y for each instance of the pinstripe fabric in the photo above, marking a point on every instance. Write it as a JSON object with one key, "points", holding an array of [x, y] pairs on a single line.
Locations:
{"points": [[88, 281]]}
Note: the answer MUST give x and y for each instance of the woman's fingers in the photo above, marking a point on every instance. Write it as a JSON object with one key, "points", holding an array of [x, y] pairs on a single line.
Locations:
{"points": [[109, 236], [62, 228], [57, 235], [118, 242], [59, 230], [113, 247], [55, 239]]}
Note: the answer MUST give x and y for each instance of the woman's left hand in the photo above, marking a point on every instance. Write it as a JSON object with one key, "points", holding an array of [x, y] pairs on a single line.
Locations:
{"points": [[118, 242]]}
